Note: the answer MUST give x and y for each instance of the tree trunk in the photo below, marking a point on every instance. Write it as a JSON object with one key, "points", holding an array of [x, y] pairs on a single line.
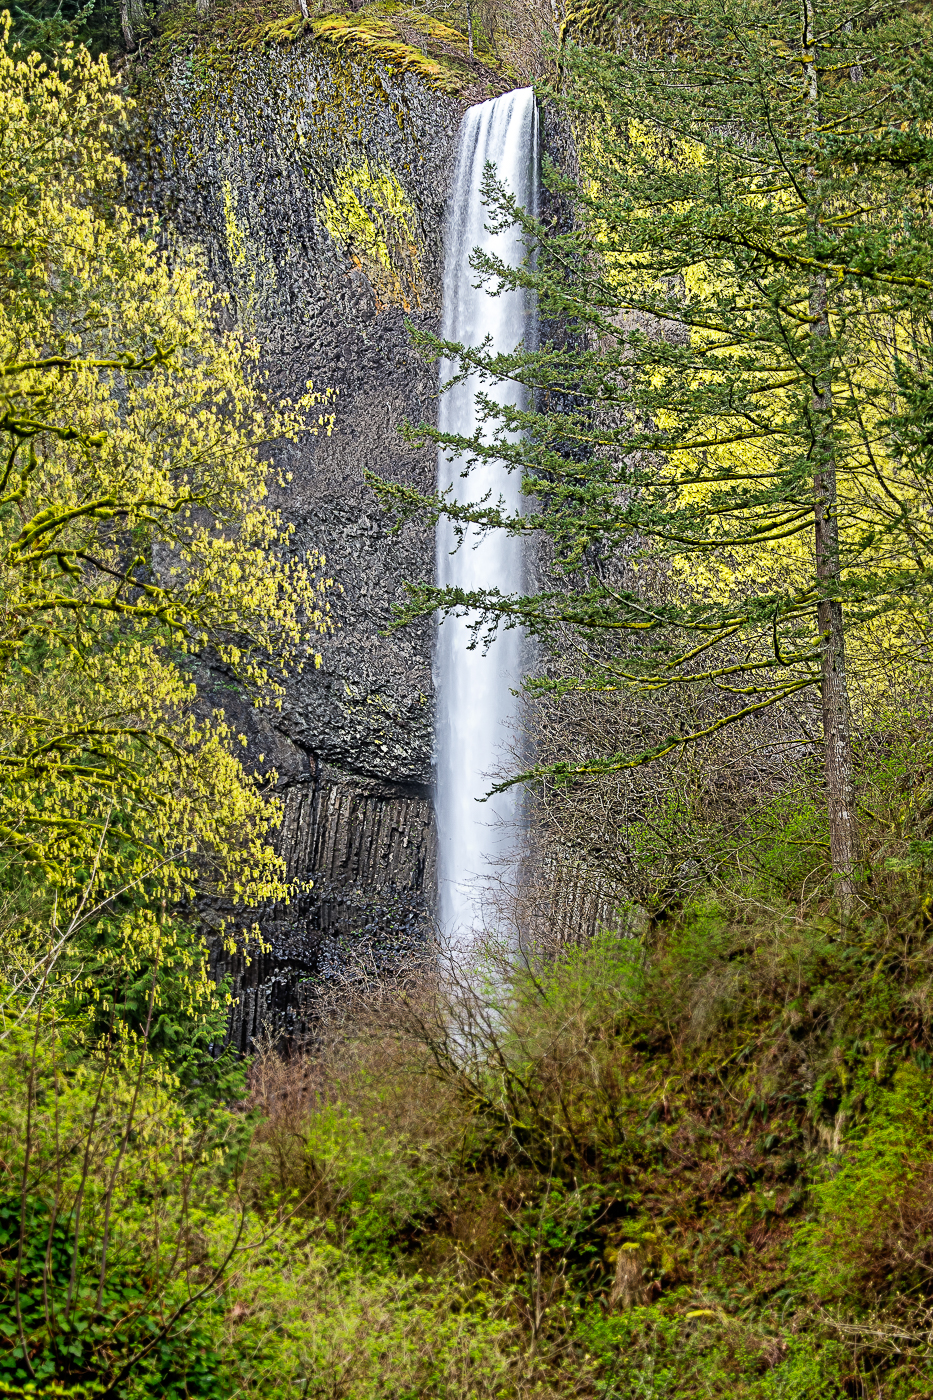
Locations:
{"points": [[133, 23], [837, 726], [129, 38]]}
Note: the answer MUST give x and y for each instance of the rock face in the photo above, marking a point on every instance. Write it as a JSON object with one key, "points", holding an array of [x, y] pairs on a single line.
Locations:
{"points": [[314, 170], [316, 183]]}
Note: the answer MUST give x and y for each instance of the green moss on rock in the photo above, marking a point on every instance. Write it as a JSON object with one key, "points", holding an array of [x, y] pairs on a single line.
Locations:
{"points": [[400, 38]]}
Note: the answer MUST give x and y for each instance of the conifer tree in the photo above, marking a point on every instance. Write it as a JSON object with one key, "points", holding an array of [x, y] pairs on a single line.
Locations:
{"points": [[739, 391]]}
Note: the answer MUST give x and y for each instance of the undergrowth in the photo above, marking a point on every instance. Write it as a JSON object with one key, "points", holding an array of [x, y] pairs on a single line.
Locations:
{"points": [[696, 1162]]}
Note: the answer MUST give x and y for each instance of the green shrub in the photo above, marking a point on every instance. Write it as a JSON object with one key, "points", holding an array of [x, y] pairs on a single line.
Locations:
{"points": [[874, 1228], [57, 1330], [810, 1371], [303, 1319], [105, 1184], [638, 1353], [378, 1184]]}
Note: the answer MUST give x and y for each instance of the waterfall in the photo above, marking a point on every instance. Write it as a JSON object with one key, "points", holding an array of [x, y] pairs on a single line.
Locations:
{"points": [[475, 704]]}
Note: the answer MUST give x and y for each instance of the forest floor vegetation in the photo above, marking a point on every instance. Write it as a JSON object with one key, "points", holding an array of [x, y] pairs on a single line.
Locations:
{"points": [[692, 1162]]}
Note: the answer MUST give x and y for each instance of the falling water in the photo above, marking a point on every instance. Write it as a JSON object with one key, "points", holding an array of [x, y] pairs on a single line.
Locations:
{"points": [[475, 704]]}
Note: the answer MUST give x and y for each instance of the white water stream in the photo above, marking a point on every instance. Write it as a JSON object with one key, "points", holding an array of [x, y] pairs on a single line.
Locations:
{"points": [[475, 704]]}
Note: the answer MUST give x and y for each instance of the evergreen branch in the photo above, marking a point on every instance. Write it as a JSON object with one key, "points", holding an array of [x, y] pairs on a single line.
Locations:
{"points": [[618, 763]]}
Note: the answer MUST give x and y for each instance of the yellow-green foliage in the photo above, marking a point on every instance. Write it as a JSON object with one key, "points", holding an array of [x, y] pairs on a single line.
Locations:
{"points": [[621, 1157], [872, 1229], [399, 38], [876, 492], [302, 1310], [65, 1119], [134, 533], [156, 1210], [105, 1186], [371, 216], [253, 274], [143, 415]]}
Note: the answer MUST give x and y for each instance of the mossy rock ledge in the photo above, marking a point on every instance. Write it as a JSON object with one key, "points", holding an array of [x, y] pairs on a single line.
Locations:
{"points": [[315, 176]]}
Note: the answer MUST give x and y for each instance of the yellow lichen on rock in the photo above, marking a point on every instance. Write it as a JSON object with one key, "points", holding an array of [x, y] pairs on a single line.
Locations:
{"points": [[371, 217], [253, 272], [379, 38]]}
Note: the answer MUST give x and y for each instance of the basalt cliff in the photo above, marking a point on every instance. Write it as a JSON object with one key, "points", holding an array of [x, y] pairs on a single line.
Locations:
{"points": [[312, 162]]}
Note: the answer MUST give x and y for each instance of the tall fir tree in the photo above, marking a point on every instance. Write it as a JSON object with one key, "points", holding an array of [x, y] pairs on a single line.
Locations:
{"points": [[740, 390]]}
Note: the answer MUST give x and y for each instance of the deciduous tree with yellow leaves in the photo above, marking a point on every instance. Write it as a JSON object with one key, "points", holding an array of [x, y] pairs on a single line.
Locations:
{"points": [[136, 542], [135, 535]]}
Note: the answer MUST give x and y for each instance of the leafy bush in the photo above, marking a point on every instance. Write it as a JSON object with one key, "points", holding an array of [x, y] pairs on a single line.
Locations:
{"points": [[809, 1372], [874, 1228], [346, 1149], [307, 1320], [104, 1185], [67, 1321], [367, 1182]]}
